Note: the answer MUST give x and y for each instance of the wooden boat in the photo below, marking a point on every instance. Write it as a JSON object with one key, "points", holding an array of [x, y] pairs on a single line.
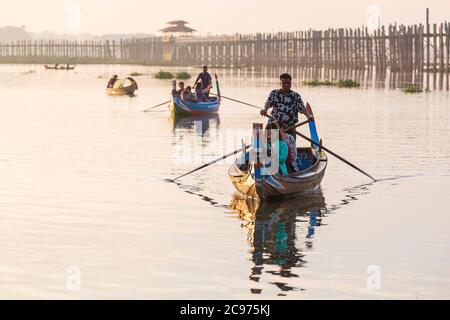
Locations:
{"points": [[123, 87], [180, 107], [250, 181], [59, 67]]}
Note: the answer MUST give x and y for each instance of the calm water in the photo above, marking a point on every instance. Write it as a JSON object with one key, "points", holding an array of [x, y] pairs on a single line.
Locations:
{"points": [[85, 211]]}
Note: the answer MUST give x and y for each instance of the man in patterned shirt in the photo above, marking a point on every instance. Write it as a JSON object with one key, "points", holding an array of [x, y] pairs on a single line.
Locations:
{"points": [[285, 104]]}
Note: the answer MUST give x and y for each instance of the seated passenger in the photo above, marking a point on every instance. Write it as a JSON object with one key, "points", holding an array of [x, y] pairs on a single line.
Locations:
{"points": [[199, 93], [188, 96], [292, 156], [112, 81], [178, 92], [283, 149]]}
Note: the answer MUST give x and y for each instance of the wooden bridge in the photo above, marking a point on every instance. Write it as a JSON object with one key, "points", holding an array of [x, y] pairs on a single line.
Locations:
{"points": [[405, 49]]}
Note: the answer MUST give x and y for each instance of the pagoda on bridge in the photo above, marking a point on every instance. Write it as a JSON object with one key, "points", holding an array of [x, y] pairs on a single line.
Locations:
{"points": [[177, 27]]}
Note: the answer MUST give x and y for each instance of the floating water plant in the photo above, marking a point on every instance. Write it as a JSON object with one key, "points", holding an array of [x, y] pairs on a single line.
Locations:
{"points": [[340, 84], [183, 75], [164, 75], [412, 88], [315, 83], [136, 74], [348, 83]]}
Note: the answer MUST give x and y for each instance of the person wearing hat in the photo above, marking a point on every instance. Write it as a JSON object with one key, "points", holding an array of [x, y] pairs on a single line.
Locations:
{"points": [[112, 81], [285, 104]]}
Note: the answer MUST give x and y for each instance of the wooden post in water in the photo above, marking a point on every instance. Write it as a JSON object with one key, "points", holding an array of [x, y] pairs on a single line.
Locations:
{"points": [[428, 48], [448, 56]]}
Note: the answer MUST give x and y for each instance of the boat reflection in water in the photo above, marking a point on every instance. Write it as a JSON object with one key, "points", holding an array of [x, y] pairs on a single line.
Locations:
{"points": [[196, 139], [202, 123], [279, 233]]}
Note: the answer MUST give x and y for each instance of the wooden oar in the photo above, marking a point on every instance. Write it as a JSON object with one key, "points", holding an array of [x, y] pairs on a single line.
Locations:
{"points": [[212, 162], [238, 101], [229, 154], [158, 105], [217, 85], [329, 151], [336, 155]]}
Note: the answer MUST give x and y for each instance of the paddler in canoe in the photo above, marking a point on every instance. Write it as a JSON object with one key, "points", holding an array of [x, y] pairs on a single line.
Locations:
{"points": [[112, 81], [286, 104], [205, 79]]}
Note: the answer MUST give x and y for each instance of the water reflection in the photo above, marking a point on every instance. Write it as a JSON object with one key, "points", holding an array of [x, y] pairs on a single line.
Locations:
{"points": [[195, 139], [279, 233], [199, 123], [367, 77]]}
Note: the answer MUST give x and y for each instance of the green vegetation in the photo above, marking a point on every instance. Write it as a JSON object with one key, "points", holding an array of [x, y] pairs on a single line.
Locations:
{"points": [[169, 75], [412, 88], [183, 75], [316, 83], [164, 75], [340, 84], [347, 84], [136, 74]]}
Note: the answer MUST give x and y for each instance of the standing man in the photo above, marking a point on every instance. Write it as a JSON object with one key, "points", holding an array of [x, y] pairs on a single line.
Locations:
{"points": [[286, 105], [206, 81]]}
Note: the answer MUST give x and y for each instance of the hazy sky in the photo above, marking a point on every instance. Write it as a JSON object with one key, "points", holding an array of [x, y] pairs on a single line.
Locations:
{"points": [[215, 16]]}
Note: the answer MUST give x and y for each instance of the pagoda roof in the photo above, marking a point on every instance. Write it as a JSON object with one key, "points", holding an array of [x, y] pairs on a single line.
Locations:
{"points": [[177, 22], [178, 28]]}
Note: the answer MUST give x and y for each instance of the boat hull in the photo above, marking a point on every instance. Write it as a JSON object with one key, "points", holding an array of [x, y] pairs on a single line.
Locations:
{"points": [[121, 91], [63, 68], [276, 186], [179, 107]]}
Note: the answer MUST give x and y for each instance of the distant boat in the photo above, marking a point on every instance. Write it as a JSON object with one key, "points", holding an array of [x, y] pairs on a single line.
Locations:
{"points": [[62, 67], [123, 87], [178, 106]]}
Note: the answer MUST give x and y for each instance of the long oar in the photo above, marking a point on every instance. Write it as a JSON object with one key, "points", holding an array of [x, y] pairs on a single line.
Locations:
{"points": [[229, 154], [329, 151], [336, 155], [238, 101], [210, 163], [158, 105]]}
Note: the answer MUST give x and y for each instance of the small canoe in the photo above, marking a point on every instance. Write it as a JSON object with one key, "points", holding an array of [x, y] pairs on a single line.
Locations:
{"points": [[180, 107], [250, 182], [59, 68], [123, 87], [121, 91]]}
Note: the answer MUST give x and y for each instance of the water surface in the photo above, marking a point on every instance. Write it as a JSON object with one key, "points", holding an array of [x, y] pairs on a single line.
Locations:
{"points": [[85, 211]]}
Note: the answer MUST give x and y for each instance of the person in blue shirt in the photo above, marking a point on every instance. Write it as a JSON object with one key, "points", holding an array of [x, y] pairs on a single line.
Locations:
{"points": [[283, 149]]}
